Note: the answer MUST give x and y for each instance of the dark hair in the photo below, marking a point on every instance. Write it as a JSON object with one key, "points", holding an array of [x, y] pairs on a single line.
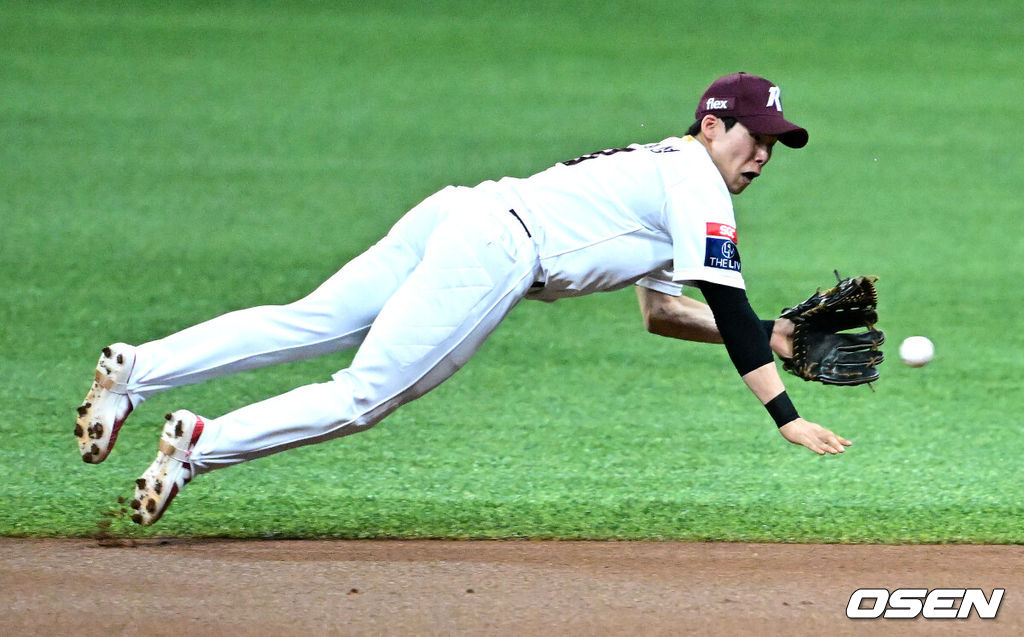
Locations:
{"points": [[695, 127]]}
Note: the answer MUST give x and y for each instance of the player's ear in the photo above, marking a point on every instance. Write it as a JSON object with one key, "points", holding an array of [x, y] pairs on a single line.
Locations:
{"points": [[710, 126]]}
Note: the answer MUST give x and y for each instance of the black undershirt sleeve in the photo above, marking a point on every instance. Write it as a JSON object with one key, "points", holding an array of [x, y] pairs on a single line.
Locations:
{"points": [[745, 336], [747, 340]]}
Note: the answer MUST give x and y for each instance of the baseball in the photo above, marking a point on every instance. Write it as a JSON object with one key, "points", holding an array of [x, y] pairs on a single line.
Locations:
{"points": [[917, 351]]}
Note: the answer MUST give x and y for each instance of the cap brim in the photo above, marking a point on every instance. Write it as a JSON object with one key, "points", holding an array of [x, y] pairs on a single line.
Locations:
{"points": [[796, 138], [788, 133]]}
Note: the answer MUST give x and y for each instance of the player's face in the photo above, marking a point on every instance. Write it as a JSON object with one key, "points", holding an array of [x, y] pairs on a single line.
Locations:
{"points": [[739, 154]]}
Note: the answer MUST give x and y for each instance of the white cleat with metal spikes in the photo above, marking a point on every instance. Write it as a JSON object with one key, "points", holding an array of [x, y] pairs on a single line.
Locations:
{"points": [[171, 470], [106, 405]]}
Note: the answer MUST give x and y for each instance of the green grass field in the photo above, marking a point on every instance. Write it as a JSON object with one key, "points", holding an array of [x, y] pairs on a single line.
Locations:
{"points": [[161, 164]]}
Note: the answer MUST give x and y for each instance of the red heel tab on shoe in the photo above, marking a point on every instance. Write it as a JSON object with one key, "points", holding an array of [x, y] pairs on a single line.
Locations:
{"points": [[196, 432]]}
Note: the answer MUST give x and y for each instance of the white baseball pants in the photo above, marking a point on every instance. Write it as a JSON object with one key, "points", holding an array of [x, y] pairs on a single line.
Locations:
{"points": [[419, 304]]}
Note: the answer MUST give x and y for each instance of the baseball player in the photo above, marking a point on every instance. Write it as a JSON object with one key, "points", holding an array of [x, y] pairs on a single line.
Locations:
{"points": [[420, 302]]}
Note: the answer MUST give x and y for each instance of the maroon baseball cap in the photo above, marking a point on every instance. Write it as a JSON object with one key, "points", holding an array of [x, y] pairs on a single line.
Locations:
{"points": [[754, 102]]}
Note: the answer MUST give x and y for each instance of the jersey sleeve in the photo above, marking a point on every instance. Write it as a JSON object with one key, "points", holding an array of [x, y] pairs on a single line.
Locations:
{"points": [[702, 224], [661, 281]]}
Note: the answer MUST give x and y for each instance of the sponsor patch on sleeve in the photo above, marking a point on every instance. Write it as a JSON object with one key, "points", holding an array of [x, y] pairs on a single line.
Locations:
{"points": [[722, 230], [720, 249]]}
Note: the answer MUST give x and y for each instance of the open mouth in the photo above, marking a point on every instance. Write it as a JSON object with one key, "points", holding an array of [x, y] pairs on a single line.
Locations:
{"points": [[750, 175]]}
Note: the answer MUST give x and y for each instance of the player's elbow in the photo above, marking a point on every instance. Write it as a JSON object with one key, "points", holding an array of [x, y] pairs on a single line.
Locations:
{"points": [[655, 324], [659, 320], [660, 313], [677, 317]]}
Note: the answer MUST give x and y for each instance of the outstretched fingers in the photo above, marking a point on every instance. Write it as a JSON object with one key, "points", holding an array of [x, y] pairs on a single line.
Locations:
{"points": [[814, 437]]}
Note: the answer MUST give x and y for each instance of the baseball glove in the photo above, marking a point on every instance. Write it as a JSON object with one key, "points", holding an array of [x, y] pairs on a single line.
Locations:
{"points": [[823, 349]]}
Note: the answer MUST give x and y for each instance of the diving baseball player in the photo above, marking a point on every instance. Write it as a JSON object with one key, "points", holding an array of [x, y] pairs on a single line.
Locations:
{"points": [[420, 302]]}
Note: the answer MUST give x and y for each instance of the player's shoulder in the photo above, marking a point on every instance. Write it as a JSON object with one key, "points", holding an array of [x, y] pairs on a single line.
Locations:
{"points": [[682, 160], [680, 152], [671, 145]]}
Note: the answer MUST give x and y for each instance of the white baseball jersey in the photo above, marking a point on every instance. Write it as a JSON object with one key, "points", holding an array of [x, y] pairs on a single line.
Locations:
{"points": [[658, 214]]}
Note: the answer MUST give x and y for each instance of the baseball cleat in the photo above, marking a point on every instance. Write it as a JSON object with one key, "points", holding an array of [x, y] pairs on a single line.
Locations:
{"points": [[170, 471], [106, 405]]}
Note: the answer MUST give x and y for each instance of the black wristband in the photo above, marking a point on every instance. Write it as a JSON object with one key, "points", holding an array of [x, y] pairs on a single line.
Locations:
{"points": [[781, 409], [769, 327]]}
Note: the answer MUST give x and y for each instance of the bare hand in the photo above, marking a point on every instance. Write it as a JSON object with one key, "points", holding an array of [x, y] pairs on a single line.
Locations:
{"points": [[814, 437]]}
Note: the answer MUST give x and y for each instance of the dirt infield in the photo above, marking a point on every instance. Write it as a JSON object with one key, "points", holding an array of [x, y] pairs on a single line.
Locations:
{"points": [[222, 587]]}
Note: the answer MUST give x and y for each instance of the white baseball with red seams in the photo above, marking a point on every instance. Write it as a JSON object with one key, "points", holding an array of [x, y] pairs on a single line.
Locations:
{"points": [[917, 351]]}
